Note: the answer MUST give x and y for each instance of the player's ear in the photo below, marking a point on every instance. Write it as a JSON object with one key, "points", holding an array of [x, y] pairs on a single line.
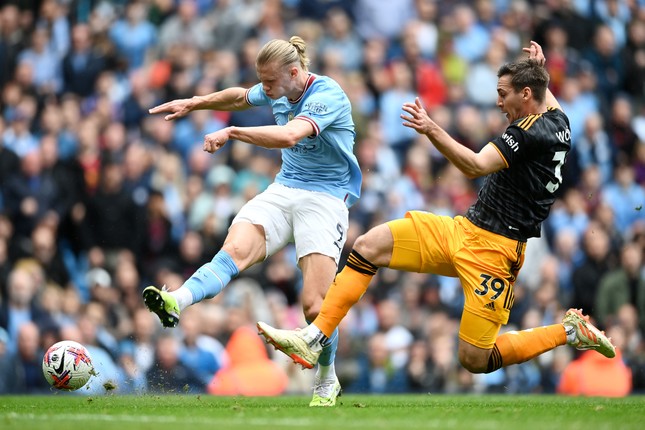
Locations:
{"points": [[526, 93]]}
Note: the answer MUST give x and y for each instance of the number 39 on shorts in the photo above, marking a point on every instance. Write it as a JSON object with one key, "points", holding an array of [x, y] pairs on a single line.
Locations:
{"points": [[489, 283]]}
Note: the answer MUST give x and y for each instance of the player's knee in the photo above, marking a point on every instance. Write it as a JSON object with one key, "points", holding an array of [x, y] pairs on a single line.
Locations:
{"points": [[311, 308], [473, 363], [365, 247], [361, 244]]}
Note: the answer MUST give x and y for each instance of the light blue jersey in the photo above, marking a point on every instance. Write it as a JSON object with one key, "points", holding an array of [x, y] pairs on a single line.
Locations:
{"points": [[324, 161]]}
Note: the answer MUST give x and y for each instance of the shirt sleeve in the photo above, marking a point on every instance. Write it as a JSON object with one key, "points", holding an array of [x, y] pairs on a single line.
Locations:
{"points": [[255, 96], [512, 145], [322, 108]]}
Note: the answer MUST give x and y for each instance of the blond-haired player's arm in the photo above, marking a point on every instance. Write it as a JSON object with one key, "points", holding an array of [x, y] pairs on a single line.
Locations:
{"points": [[229, 99]]}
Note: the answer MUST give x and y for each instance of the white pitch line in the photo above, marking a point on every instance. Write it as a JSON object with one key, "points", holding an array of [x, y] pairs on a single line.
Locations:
{"points": [[156, 419]]}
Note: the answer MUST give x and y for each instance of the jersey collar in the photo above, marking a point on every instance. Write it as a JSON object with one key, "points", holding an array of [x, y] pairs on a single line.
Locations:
{"points": [[310, 81]]}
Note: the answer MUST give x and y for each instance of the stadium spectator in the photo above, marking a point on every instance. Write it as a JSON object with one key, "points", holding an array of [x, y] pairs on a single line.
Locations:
{"points": [[17, 135], [113, 219], [236, 22], [43, 61], [579, 103], [634, 65], [619, 129], [566, 257], [134, 37], [569, 213], [397, 338], [168, 374], [563, 60], [471, 39], [578, 25], [594, 148], [9, 165], [424, 28], [622, 285], [82, 65], [483, 75], [341, 40], [43, 247], [377, 373], [401, 88], [137, 350], [616, 15], [625, 197], [382, 19], [427, 79], [23, 286], [13, 39], [423, 375], [66, 175], [5, 264], [198, 352], [628, 320], [168, 177], [185, 28], [595, 263], [604, 55], [53, 16], [216, 204], [32, 197], [22, 372]]}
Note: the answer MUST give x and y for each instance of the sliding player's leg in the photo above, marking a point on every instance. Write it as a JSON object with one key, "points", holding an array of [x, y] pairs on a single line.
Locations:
{"points": [[395, 244]]}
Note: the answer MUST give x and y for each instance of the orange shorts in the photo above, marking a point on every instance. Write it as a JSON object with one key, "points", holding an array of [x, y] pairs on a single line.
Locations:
{"points": [[486, 263]]}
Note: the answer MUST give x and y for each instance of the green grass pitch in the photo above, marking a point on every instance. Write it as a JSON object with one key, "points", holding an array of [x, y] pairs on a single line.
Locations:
{"points": [[196, 412]]}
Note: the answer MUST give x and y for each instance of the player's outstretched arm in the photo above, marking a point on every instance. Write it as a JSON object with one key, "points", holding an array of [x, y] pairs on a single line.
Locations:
{"points": [[230, 99], [472, 164], [265, 136]]}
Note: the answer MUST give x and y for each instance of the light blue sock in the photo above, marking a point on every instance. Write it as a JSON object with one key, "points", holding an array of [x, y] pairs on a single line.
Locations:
{"points": [[328, 354], [210, 279]]}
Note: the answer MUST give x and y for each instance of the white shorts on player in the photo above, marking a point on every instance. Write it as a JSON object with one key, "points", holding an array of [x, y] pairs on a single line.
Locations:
{"points": [[315, 222]]}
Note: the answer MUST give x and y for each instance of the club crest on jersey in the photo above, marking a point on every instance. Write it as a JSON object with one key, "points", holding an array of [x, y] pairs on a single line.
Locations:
{"points": [[290, 116], [316, 107]]}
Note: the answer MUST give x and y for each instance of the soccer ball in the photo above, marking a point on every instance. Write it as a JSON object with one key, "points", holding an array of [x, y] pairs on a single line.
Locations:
{"points": [[67, 365]]}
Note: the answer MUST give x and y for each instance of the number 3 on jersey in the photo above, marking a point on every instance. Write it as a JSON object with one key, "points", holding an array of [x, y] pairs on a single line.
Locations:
{"points": [[558, 157]]}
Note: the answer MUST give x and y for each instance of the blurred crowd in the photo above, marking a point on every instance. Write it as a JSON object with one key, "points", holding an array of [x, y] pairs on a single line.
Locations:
{"points": [[100, 199]]}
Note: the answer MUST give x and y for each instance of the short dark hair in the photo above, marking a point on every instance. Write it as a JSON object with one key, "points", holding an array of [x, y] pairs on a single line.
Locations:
{"points": [[527, 73]]}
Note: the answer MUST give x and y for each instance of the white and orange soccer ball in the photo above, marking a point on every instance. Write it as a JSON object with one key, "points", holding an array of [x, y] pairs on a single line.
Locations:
{"points": [[67, 365]]}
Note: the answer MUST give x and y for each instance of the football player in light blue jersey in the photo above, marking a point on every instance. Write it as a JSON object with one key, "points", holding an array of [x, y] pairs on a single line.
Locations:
{"points": [[306, 205], [322, 161]]}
